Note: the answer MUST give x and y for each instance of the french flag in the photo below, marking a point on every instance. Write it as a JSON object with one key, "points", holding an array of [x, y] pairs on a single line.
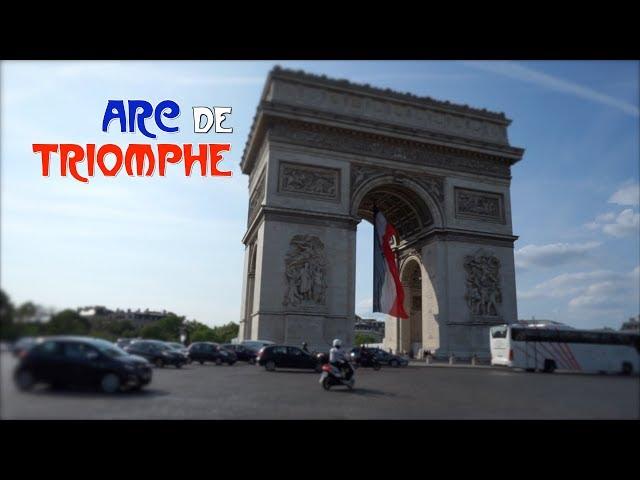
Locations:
{"points": [[388, 293]]}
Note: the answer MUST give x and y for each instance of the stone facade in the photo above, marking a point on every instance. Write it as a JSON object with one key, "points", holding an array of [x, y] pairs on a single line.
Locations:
{"points": [[320, 153]]}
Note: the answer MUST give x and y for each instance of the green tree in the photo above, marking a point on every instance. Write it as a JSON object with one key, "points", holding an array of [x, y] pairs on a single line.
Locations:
{"points": [[364, 338], [26, 311], [225, 333], [67, 322], [7, 330], [202, 333], [167, 329]]}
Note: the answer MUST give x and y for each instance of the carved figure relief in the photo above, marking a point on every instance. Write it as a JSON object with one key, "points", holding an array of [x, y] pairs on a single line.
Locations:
{"points": [[309, 180], [305, 272], [483, 284], [483, 205]]}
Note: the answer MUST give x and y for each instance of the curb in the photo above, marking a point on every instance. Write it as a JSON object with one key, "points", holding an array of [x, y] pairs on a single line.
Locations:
{"points": [[446, 365]]}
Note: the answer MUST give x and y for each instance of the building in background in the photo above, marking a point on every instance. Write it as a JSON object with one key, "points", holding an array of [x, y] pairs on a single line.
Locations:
{"points": [[369, 326], [631, 325], [542, 323], [137, 317]]}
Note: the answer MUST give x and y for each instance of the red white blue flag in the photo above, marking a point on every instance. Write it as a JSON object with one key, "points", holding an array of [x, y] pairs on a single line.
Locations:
{"points": [[388, 293]]}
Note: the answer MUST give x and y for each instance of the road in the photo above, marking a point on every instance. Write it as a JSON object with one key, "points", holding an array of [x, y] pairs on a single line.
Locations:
{"points": [[243, 391]]}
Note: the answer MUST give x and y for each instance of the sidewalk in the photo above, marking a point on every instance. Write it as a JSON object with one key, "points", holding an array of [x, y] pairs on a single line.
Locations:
{"points": [[445, 363]]}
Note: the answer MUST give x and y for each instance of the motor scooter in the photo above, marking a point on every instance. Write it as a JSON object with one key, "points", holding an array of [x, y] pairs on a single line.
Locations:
{"points": [[336, 376]]}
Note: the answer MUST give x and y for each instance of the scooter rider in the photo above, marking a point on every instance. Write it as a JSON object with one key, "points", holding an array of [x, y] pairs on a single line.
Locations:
{"points": [[338, 358]]}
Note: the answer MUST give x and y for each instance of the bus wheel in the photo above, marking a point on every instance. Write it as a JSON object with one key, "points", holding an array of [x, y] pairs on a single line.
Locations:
{"points": [[549, 366], [627, 368]]}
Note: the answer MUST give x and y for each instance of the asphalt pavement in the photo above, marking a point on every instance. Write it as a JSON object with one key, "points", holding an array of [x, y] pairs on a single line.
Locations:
{"points": [[244, 391]]}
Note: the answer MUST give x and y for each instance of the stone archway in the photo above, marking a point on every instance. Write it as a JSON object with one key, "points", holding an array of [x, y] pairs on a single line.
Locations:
{"points": [[319, 154], [411, 341]]}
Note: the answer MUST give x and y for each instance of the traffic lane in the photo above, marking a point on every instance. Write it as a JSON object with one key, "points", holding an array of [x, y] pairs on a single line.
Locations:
{"points": [[244, 391]]}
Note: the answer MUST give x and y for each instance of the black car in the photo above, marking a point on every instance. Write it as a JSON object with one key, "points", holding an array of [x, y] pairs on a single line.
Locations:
{"points": [[364, 357], [81, 361], [243, 353], [125, 342], [22, 345], [211, 352], [386, 358], [157, 352], [284, 356]]}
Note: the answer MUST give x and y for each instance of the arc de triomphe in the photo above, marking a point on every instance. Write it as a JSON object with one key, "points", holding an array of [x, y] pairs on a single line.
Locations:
{"points": [[319, 154]]}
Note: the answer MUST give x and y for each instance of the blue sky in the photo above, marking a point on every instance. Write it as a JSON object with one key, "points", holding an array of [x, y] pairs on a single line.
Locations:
{"points": [[174, 242]]}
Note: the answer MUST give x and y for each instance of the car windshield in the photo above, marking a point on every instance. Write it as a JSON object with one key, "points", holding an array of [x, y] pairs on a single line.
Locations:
{"points": [[108, 348]]}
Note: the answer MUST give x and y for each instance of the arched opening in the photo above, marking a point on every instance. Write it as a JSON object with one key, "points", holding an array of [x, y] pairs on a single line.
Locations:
{"points": [[401, 206], [411, 340], [409, 213]]}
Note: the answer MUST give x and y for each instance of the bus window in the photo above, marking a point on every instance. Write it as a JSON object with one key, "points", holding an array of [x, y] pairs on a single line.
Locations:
{"points": [[499, 332]]}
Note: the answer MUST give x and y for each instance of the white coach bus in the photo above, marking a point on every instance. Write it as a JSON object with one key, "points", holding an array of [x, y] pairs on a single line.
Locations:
{"points": [[548, 349]]}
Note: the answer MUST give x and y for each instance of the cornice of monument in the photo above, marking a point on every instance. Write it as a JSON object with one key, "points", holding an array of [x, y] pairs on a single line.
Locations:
{"points": [[300, 76], [450, 127]]}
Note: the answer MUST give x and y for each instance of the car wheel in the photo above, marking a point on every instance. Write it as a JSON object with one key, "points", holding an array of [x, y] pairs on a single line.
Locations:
{"points": [[218, 361], [252, 361], [627, 368], [394, 363], [231, 363], [178, 365], [270, 366], [25, 380], [376, 366], [110, 383], [530, 370], [549, 366], [159, 363], [201, 362]]}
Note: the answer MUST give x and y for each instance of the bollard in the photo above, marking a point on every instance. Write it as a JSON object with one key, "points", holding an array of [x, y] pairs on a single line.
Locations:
{"points": [[428, 358], [451, 358], [473, 359]]}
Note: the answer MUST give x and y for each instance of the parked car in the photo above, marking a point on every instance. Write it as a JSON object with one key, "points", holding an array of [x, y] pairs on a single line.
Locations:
{"points": [[256, 344], [211, 352], [157, 352], [390, 359], [22, 345], [285, 356], [243, 353], [124, 342], [178, 347], [81, 361]]}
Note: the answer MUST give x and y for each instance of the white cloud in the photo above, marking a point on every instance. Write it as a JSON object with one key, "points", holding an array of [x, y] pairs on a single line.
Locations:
{"points": [[553, 254], [520, 72], [627, 222], [627, 194], [596, 290]]}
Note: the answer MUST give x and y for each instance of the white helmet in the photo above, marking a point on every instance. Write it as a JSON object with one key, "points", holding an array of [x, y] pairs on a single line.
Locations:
{"points": [[337, 343]]}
